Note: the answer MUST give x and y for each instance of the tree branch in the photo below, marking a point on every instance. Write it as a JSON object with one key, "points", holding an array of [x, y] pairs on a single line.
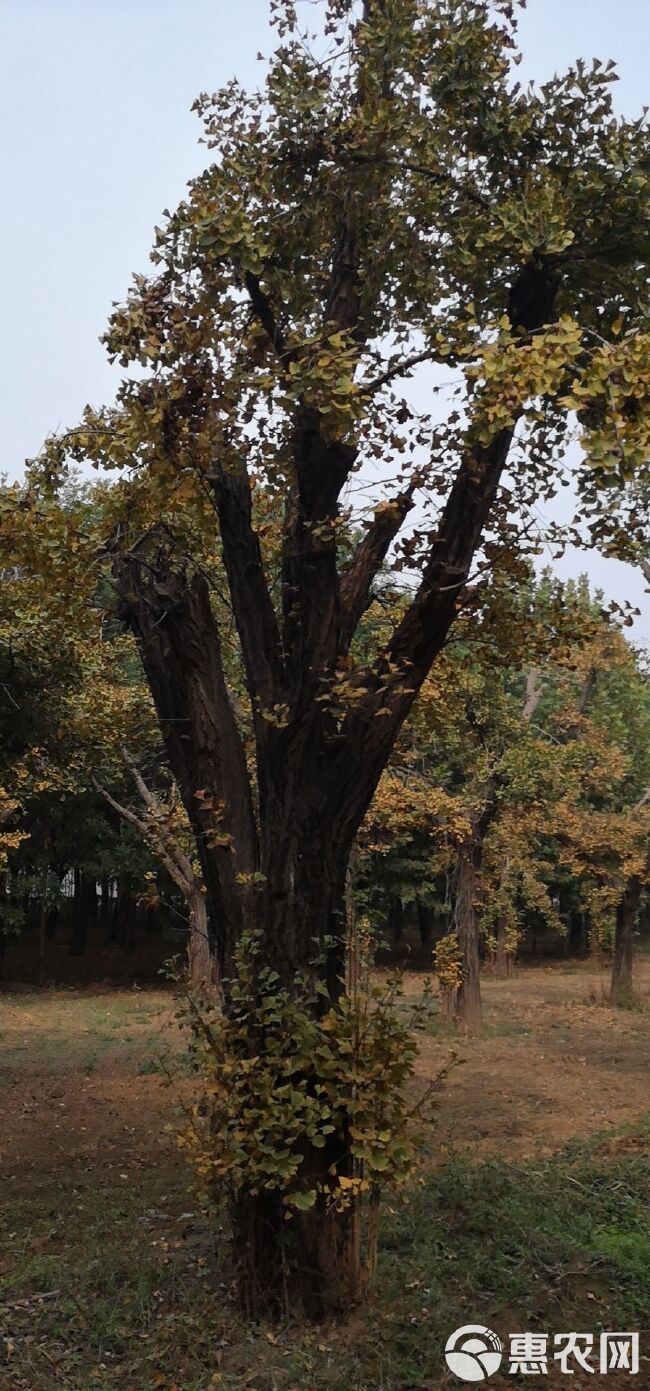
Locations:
{"points": [[252, 607], [357, 578], [178, 638], [369, 730], [398, 369], [262, 308], [148, 834], [534, 692], [160, 826]]}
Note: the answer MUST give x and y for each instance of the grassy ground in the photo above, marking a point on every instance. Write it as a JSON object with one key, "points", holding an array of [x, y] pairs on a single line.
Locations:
{"points": [[110, 1274]]}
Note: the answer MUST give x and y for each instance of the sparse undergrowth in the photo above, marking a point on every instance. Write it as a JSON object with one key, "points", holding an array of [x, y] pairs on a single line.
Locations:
{"points": [[119, 1286], [110, 1277]]}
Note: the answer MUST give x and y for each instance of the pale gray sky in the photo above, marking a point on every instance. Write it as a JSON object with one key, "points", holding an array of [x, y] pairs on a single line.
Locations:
{"points": [[98, 138]]}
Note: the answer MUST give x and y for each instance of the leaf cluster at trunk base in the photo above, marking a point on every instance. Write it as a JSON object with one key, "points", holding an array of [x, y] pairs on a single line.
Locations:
{"points": [[304, 1117]]}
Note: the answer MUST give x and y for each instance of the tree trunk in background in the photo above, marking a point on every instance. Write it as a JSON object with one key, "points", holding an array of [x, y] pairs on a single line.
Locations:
{"points": [[626, 919], [425, 923], [122, 915], [396, 921], [199, 956], [105, 902], [42, 928], [501, 957], [469, 1011], [52, 921], [3, 936], [109, 907], [502, 961], [579, 934], [42, 941], [84, 911]]}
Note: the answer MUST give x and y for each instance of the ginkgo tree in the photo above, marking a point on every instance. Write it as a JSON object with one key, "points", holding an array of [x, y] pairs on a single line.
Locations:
{"points": [[390, 201]]}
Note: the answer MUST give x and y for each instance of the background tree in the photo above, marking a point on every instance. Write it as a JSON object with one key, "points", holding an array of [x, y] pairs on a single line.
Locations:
{"points": [[163, 826], [529, 741], [71, 691]]}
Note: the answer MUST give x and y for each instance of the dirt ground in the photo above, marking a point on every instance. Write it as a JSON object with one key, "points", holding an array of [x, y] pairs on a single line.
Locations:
{"points": [[86, 1104], [73, 1093], [554, 1062], [82, 1073]]}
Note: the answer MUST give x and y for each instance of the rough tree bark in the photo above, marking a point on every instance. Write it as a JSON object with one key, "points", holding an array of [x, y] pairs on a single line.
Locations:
{"points": [[200, 965]]}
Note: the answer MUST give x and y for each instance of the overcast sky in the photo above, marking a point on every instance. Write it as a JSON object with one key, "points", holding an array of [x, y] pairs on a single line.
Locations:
{"points": [[98, 138]]}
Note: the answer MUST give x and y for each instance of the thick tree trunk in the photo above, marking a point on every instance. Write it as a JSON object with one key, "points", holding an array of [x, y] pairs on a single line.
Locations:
{"points": [[626, 919], [315, 1265], [318, 1263], [300, 914], [469, 1011]]}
